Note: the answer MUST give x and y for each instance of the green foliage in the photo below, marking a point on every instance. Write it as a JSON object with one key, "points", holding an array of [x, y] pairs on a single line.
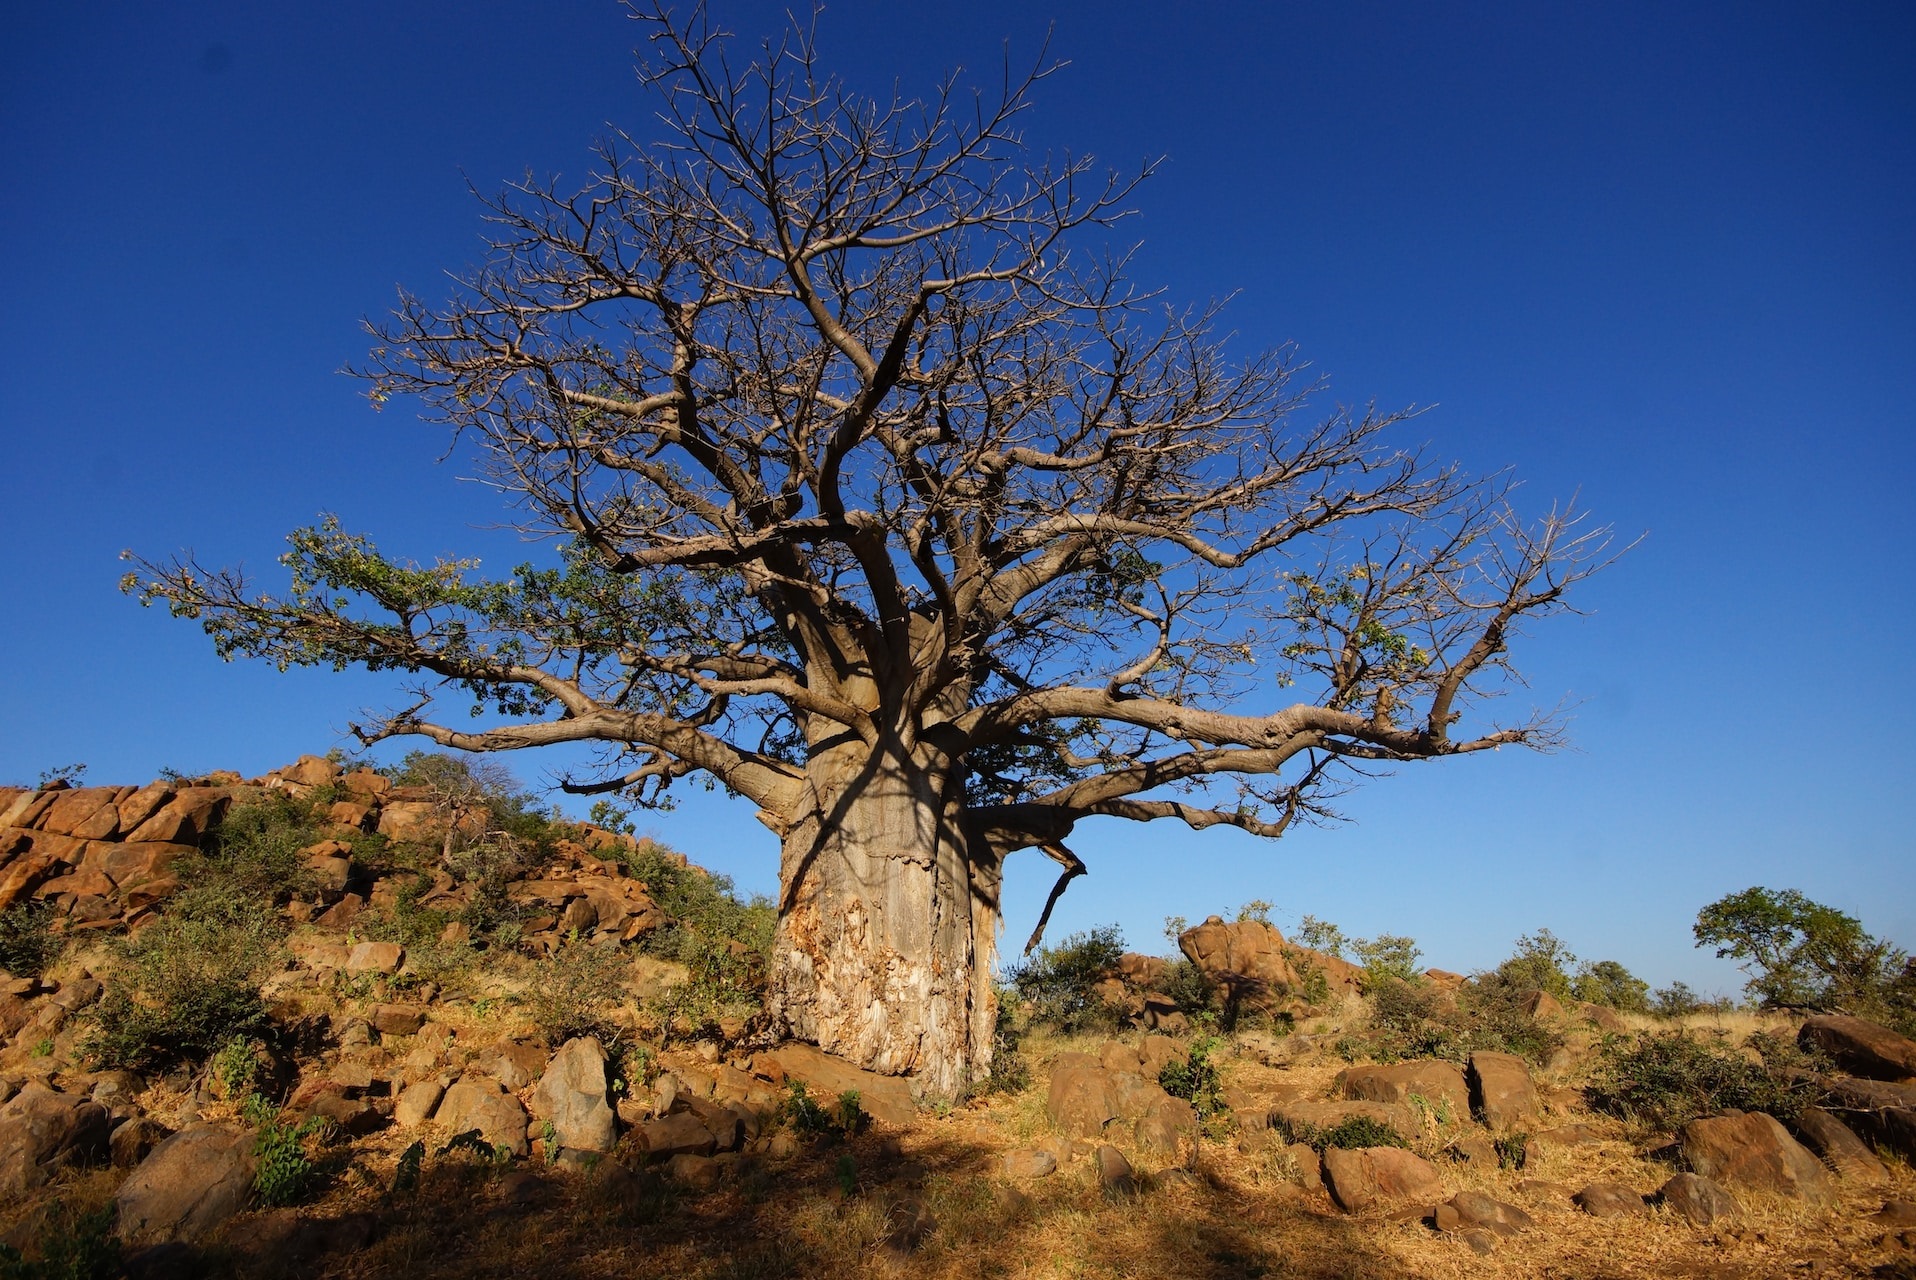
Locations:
{"points": [[284, 1174], [1350, 1134], [1321, 935], [1196, 1079], [1510, 1148], [255, 850], [1188, 986], [1388, 957], [572, 991], [725, 943], [1678, 1001], [1058, 983], [237, 1067], [1411, 1019], [73, 1246], [1664, 1080], [27, 941], [1256, 909], [1542, 963], [188, 983], [1610, 984], [807, 1116], [1802, 954]]}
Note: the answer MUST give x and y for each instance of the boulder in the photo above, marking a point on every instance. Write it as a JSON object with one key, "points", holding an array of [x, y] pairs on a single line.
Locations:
{"points": [[1082, 1098], [190, 814], [396, 1019], [413, 822], [1697, 1199], [1610, 1200], [417, 1103], [1750, 1149], [1247, 959], [1165, 1124], [189, 1185], [1501, 1091], [1475, 1211], [513, 1063], [681, 1133], [1839, 1146], [572, 1097], [1114, 1171], [1029, 1163], [41, 1131], [1379, 1177], [87, 813], [375, 957], [1860, 1047], [480, 1103], [884, 1098], [1435, 1081], [134, 1139], [1155, 1053], [1301, 1115]]}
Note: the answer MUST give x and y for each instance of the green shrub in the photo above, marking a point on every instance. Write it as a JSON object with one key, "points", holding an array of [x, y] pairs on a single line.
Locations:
{"points": [[1010, 1072], [1058, 983], [573, 990], [1412, 1019], [1803, 954], [283, 1173], [1610, 984], [1195, 1079], [1352, 1133], [27, 941], [725, 943], [255, 849], [806, 1115], [1387, 957], [73, 1245], [1541, 963], [1664, 1080], [1187, 986], [188, 983]]}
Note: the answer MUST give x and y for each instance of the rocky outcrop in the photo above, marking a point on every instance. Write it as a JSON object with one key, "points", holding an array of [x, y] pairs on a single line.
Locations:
{"points": [[1845, 1153], [1247, 960]]}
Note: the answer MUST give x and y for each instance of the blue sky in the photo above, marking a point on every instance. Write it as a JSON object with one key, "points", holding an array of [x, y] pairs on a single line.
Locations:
{"points": [[1662, 256]]}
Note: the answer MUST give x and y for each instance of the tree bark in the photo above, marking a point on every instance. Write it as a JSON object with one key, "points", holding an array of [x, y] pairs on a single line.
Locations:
{"points": [[888, 920]]}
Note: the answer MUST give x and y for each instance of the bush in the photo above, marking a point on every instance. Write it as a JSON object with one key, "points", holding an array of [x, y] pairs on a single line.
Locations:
{"points": [[1353, 1133], [284, 1174], [725, 943], [27, 941], [1059, 982], [1610, 984], [73, 1246], [573, 990], [1387, 957], [1665, 1080], [1541, 963], [807, 1116], [1196, 1079], [188, 983], [1412, 1019]]}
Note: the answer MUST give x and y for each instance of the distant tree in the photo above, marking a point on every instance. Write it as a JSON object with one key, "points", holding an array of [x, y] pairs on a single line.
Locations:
{"points": [[1542, 962], [1802, 954], [1607, 982], [886, 502]]}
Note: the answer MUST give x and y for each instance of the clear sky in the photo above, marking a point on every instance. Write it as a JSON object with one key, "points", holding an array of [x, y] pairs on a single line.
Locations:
{"points": [[1659, 255]]}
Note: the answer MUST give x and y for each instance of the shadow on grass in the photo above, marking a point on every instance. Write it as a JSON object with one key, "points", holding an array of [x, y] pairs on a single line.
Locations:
{"points": [[863, 1208]]}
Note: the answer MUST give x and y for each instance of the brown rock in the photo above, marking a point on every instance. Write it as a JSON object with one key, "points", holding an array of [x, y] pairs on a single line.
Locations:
{"points": [[1114, 1171], [185, 818], [142, 804], [330, 872], [679, 1134], [1081, 1099], [41, 1131], [190, 1184], [1299, 1115], [1308, 1165], [1246, 958], [1029, 1164], [350, 814], [480, 1103], [132, 864], [1475, 1150], [572, 1096], [341, 913], [1501, 1091], [1610, 1200], [513, 1063], [413, 821], [397, 1019], [1379, 1177], [1435, 1081], [1165, 1124], [884, 1098], [375, 957], [1542, 1005], [1606, 1019], [364, 782], [133, 1139], [309, 771], [1752, 1150], [1839, 1146], [1473, 1210], [1697, 1199], [417, 1103], [87, 813], [1860, 1047]]}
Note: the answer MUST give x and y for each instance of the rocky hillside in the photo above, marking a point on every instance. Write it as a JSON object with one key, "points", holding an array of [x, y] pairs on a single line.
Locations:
{"points": [[342, 1022]]}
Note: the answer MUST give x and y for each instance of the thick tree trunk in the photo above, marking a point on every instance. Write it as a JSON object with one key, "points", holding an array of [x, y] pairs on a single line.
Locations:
{"points": [[887, 925]]}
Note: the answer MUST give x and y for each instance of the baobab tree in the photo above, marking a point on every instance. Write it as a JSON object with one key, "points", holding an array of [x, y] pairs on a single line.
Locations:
{"points": [[880, 495]]}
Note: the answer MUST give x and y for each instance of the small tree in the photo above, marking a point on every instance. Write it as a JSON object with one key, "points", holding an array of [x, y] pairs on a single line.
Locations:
{"points": [[1802, 954], [887, 502]]}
